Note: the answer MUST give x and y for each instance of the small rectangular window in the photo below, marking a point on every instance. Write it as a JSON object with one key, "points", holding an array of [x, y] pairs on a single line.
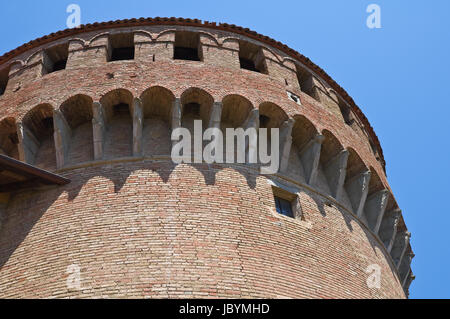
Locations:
{"points": [[187, 46], [122, 47], [55, 58], [247, 64], [305, 80], [251, 58], [284, 207], [346, 113]]}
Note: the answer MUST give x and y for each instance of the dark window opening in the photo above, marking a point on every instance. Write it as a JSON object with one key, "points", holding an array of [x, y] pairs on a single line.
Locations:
{"points": [[121, 109], [263, 121], [4, 75], [305, 80], [47, 124], [284, 207], [192, 109], [251, 58], [374, 148], [187, 46], [122, 47], [186, 54], [294, 97], [14, 138], [56, 58], [248, 64], [120, 54], [59, 65], [346, 113]]}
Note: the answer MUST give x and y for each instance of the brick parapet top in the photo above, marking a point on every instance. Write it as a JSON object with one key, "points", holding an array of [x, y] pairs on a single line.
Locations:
{"points": [[205, 24]]}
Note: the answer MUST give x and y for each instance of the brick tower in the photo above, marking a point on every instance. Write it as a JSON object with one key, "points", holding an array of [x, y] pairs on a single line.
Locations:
{"points": [[96, 106]]}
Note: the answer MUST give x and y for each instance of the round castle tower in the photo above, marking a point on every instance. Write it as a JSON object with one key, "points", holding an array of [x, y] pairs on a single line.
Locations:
{"points": [[96, 105]]}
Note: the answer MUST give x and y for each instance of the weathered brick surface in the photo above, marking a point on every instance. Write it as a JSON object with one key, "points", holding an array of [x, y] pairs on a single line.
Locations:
{"points": [[143, 227], [151, 230]]}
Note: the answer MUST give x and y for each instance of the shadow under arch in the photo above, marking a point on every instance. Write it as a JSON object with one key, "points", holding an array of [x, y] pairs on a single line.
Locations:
{"points": [[329, 164], [39, 121], [157, 104], [235, 110], [9, 139], [235, 113], [118, 108], [30, 206], [303, 132], [196, 104], [271, 115], [77, 110]]}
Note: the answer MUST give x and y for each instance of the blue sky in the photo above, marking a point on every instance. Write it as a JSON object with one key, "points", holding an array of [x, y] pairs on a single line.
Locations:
{"points": [[397, 75]]}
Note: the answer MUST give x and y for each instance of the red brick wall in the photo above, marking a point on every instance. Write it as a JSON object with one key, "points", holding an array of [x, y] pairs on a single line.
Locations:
{"points": [[144, 228], [148, 230]]}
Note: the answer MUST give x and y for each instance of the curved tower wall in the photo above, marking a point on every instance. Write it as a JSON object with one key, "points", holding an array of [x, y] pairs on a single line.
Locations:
{"points": [[136, 224]]}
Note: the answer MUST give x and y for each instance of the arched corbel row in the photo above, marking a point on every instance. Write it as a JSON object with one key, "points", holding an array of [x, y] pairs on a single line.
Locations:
{"points": [[8, 138], [157, 108], [235, 110], [357, 182], [407, 284], [400, 246], [252, 121], [138, 126], [376, 203], [308, 143], [343, 169], [62, 135], [310, 155], [118, 107], [98, 130], [216, 115], [36, 126], [388, 228], [405, 267], [333, 161], [285, 144], [176, 116]]}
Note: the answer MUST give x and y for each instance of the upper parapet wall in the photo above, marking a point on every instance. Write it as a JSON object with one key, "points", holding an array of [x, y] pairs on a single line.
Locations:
{"points": [[7, 57]]}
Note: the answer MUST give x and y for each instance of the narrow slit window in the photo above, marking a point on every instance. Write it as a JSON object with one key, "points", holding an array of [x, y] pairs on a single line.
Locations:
{"points": [[55, 58], [187, 46], [122, 47]]}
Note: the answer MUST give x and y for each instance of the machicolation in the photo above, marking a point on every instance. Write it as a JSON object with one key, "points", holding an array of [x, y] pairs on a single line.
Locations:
{"points": [[96, 105]]}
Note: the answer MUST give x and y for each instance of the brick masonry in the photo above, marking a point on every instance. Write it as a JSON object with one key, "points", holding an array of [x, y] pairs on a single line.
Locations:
{"points": [[142, 227]]}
